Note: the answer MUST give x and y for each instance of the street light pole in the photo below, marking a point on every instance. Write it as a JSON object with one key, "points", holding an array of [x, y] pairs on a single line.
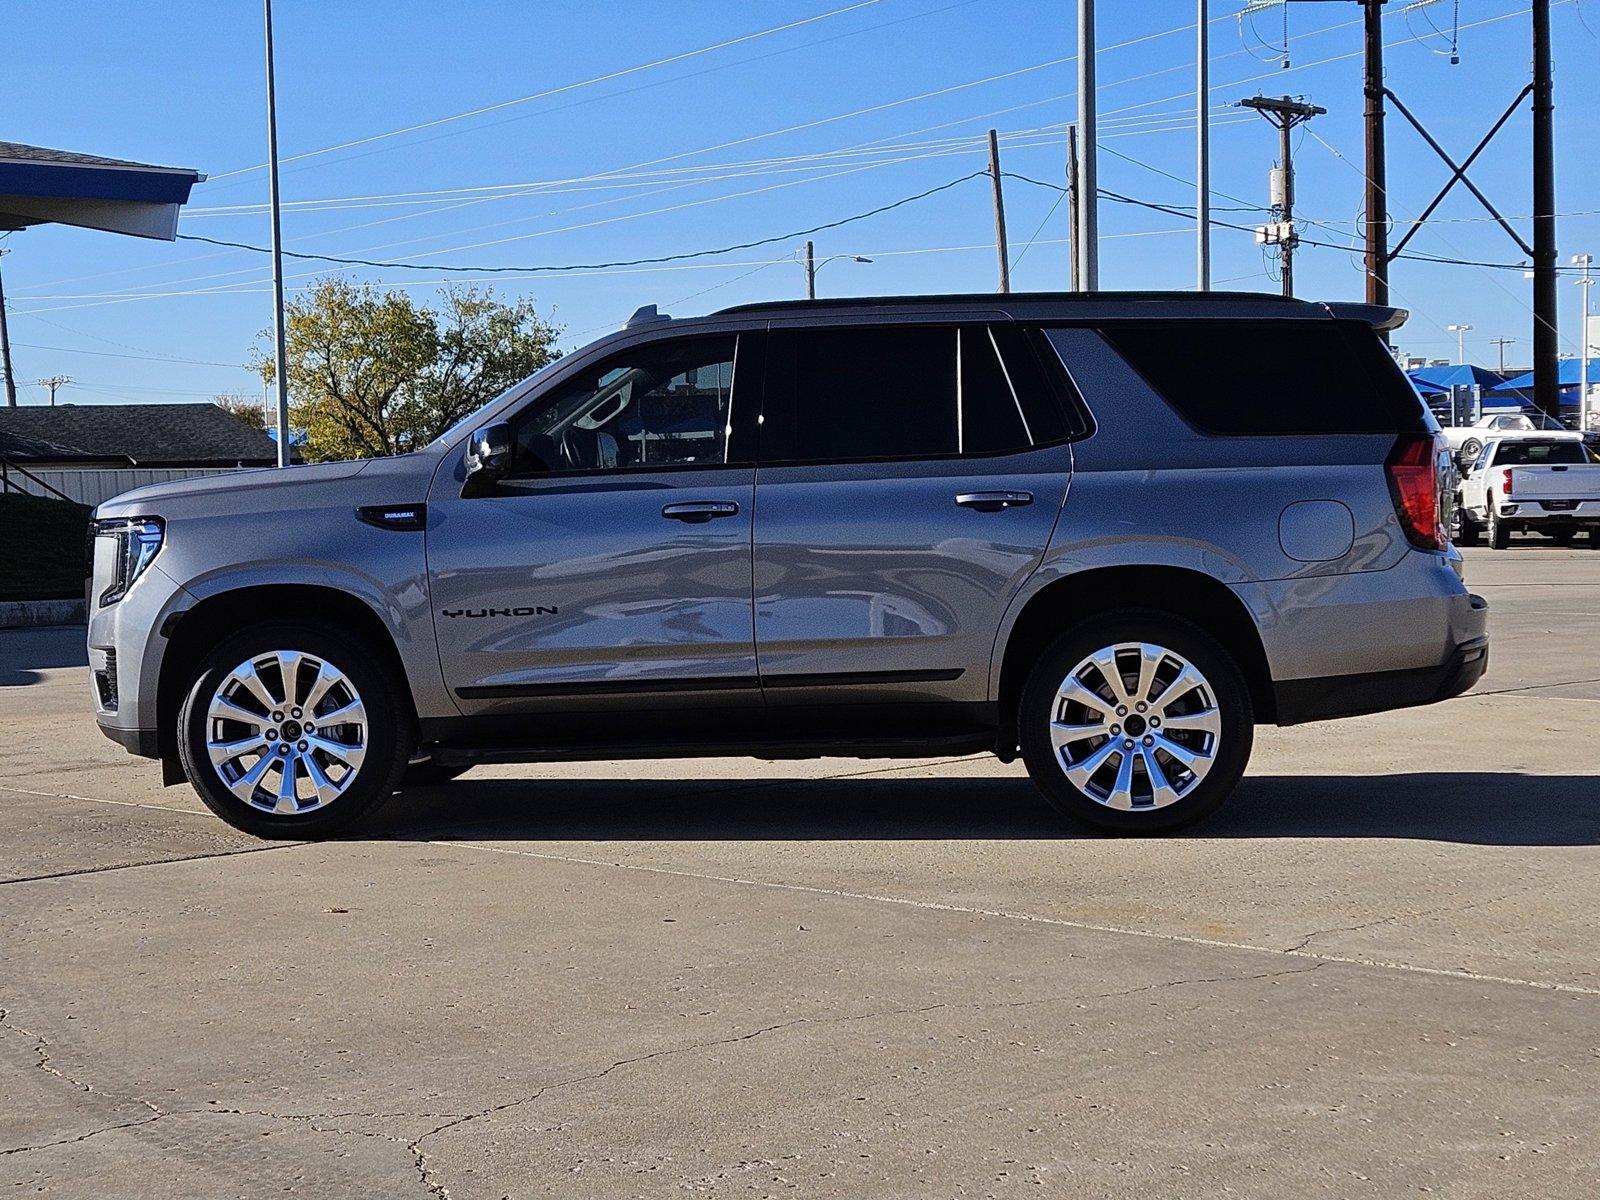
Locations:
{"points": [[1202, 135], [1461, 341], [1088, 178], [1585, 282], [279, 350]]}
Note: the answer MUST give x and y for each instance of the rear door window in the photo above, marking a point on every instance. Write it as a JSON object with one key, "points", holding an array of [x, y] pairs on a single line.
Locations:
{"points": [[1540, 454], [867, 393], [1272, 377]]}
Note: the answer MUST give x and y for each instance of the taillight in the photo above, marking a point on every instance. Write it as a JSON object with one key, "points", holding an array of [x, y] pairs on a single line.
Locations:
{"points": [[1413, 471], [1505, 482]]}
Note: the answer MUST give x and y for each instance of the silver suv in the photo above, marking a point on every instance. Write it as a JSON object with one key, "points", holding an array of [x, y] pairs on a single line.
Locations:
{"points": [[1107, 533]]}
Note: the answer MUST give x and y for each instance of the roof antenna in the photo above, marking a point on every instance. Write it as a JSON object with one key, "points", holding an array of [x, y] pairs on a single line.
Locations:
{"points": [[647, 315]]}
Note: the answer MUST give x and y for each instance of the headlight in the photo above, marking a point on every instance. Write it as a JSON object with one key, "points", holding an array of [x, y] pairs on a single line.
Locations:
{"points": [[136, 541]]}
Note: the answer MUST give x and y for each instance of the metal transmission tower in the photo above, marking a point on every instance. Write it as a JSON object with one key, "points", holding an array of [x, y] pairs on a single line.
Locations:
{"points": [[1285, 114]]}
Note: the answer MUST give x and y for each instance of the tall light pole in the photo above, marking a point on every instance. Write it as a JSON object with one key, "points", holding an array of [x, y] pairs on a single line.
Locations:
{"points": [[1585, 282], [279, 352], [1088, 180], [1202, 143], [812, 266], [1461, 341], [5, 350]]}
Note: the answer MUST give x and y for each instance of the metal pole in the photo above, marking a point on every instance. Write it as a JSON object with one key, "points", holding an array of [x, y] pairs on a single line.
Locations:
{"points": [[280, 353], [1202, 134], [811, 271], [1088, 177], [1546, 351], [1584, 284], [999, 212], [1072, 208], [1376, 167], [5, 349], [1286, 246]]}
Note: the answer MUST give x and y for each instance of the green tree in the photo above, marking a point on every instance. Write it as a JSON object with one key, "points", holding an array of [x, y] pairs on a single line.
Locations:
{"points": [[245, 408], [373, 373]]}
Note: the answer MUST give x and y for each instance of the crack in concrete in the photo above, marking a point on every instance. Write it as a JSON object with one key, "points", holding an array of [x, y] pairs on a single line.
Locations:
{"points": [[149, 862], [436, 1188], [1418, 915]]}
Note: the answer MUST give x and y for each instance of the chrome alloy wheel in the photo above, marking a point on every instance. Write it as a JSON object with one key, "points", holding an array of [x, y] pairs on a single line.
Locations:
{"points": [[1135, 726], [286, 732]]}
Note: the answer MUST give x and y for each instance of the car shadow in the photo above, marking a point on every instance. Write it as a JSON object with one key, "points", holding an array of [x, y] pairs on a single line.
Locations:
{"points": [[1483, 808], [25, 653]]}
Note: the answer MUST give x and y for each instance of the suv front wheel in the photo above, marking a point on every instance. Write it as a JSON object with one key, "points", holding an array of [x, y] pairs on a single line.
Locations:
{"points": [[1136, 721], [292, 731]]}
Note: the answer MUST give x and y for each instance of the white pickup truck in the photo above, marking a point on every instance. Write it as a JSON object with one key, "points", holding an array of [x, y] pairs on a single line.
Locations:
{"points": [[1550, 483]]}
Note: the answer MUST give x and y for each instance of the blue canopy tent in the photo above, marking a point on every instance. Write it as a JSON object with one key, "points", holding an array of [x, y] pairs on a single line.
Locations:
{"points": [[1428, 390], [1569, 374], [1458, 375], [39, 186]]}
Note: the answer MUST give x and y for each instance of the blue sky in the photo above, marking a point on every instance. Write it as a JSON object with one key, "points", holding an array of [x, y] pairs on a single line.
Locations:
{"points": [[856, 104]]}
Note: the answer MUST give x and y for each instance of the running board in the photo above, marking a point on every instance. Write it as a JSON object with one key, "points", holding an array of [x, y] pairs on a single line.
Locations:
{"points": [[977, 742]]}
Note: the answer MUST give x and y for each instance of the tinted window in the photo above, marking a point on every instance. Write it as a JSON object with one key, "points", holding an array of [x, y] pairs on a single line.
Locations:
{"points": [[1533, 454], [1272, 377], [841, 394], [991, 416], [662, 404]]}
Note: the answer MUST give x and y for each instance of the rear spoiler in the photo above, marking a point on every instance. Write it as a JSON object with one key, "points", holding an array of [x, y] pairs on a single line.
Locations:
{"points": [[1380, 316]]}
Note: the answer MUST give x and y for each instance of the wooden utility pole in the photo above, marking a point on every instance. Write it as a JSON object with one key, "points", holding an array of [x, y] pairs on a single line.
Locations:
{"points": [[1546, 351], [1377, 261], [999, 212], [1072, 207], [5, 350], [811, 271], [1500, 344], [1285, 114]]}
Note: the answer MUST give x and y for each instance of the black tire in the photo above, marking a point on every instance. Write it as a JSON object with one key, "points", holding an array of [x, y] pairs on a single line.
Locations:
{"points": [[1594, 537], [1499, 531], [1466, 532], [1038, 707], [388, 735], [429, 774]]}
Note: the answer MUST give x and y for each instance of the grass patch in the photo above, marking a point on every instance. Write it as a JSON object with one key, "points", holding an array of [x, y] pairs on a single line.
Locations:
{"points": [[47, 539]]}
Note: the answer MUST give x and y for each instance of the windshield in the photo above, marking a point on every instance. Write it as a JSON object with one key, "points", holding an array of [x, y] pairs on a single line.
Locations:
{"points": [[1539, 454]]}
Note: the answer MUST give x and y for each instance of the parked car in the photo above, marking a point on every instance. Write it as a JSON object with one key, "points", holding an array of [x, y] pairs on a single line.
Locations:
{"points": [[1107, 534], [1549, 484], [1467, 440]]}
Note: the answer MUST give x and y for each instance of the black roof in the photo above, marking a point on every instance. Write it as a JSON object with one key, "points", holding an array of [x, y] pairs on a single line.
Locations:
{"points": [[1102, 305], [23, 153], [1001, 299], [140, 434]]}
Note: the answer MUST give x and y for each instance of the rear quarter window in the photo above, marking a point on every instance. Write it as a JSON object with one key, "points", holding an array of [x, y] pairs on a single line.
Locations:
{"points": [[1272, 377]]}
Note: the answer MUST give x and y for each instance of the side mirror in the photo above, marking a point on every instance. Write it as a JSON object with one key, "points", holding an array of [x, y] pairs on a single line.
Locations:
{"points": [[488, 458]]}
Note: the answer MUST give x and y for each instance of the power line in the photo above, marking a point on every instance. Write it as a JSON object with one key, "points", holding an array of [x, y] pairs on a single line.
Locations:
{"points": [[632, 262]]}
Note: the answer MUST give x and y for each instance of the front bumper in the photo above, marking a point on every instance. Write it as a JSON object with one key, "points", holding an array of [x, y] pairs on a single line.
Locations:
{"points": [[1330, 697], [146, 743]]}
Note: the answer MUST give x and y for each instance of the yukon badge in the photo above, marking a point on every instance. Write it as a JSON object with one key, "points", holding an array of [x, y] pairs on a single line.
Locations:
{"points": [[537, 610]]}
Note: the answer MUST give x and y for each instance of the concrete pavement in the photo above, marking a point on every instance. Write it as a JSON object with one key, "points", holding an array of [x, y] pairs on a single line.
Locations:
{"points": [[1374, 972]]}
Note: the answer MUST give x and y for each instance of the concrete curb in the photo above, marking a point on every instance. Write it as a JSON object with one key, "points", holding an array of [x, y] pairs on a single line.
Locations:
{"points": [[26, 614]]}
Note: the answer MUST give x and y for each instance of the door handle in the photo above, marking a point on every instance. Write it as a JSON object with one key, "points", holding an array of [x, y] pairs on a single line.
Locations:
{"points": [[696, 511], [993, 501]]}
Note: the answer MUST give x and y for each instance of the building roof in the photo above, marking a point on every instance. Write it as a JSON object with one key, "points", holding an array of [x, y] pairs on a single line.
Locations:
{"points": [[40, 186], [141, 434]]}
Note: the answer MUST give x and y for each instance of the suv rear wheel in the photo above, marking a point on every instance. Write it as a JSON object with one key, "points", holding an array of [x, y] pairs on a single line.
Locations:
{"points": [[1136, 721], [291, 730]]}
